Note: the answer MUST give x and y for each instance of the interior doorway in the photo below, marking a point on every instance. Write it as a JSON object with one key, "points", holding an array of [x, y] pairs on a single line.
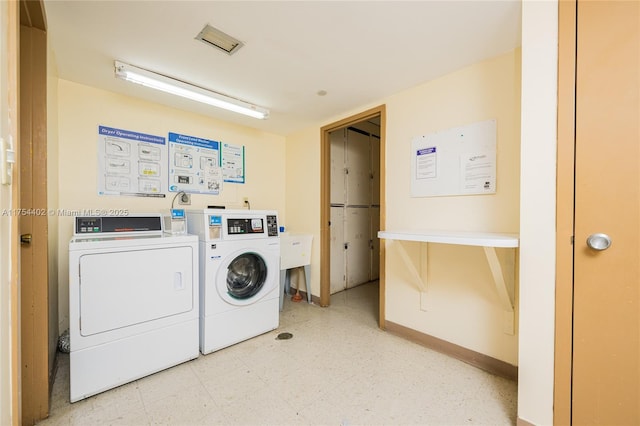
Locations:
{"points": [[355, 204], [352, 204]]}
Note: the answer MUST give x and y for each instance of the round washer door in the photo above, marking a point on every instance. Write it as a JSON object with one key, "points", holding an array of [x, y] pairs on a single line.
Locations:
{"points": [[244, 278]]}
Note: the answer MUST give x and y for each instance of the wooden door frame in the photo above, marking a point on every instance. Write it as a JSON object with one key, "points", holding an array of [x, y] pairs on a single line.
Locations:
{"points": [[565, 211], [325, 203], [34, 279]]}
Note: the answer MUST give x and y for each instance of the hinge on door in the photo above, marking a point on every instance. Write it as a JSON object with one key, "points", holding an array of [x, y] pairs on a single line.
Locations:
{"points": [[346, 171], [572, 239], [346, 246]]}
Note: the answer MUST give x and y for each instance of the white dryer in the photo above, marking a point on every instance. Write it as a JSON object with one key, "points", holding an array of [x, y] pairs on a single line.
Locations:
{"points": [[133, 301], [239, 274]]}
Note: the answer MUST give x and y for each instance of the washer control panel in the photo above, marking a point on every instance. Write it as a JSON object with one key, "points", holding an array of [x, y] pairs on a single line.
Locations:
{"points": [[272, 225], [245, 226]]}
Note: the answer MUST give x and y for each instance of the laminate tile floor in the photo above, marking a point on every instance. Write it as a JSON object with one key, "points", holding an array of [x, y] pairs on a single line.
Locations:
{"points": [[339, 368]]}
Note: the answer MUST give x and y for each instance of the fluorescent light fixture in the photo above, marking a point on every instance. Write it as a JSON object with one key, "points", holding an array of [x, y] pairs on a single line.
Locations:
{"points": [[180, 88]]}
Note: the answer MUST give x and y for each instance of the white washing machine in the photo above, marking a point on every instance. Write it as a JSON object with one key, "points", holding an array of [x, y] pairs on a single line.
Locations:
{"points": [[133, 301], [239, 274]]}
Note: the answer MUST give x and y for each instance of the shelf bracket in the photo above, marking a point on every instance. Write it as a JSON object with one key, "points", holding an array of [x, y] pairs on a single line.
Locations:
{"points": [[503, 275], [419, 275], [505, 284]]}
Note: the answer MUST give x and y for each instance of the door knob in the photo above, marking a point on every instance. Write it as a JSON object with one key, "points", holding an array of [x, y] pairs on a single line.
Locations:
{"points": [[599, 241], [25, 239]]}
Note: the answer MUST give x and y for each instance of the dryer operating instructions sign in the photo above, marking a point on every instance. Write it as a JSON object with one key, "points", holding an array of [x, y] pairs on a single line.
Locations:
{"points": [[131, 163]]}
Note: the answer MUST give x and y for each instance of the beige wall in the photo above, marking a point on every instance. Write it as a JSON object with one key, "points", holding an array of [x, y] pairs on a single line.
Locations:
{"points": [[303, 193], [462, 303], [81, 109], [466, 310]]}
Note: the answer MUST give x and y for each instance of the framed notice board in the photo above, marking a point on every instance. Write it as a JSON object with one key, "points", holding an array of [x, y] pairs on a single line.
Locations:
{"points": [[455, 161]]}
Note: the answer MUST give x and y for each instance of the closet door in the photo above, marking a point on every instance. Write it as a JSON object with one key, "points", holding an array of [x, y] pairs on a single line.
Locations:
{"points": [[358, 169], [375, 243], [338, 273], [357, 229], [606, 316], [338, 181], [375, 170]]}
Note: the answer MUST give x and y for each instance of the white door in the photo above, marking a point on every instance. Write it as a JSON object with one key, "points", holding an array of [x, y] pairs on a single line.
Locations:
{"points": [[375, 242], [126, 288], [338, 276], [358, 257], [358, 169], [337, 167], [375, 170]]}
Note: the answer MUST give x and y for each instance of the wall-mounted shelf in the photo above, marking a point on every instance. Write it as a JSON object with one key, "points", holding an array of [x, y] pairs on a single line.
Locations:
{"points": [[504, 283], [454, 237]]}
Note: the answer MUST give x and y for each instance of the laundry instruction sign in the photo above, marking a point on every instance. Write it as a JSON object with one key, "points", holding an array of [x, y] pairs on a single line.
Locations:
{"points": [[232, 162], [194, 164], [131, 163]]}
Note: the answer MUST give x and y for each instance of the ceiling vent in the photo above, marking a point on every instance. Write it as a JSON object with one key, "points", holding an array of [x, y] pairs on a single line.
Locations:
{"points": [[216, 38]]}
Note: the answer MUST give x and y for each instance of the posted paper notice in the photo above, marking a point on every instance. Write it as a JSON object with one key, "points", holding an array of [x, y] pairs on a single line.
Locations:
{"points": [[426, 163], [478, 173]]}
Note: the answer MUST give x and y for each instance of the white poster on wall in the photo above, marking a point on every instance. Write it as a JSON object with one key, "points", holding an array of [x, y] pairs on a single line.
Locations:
{"points": [[455, 161], [131, 163], [426, 163], [194, 165], [232, 162], [477, 173]]}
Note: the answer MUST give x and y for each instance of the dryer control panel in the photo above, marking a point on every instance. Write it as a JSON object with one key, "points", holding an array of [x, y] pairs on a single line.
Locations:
{"points": [[86, 225]]}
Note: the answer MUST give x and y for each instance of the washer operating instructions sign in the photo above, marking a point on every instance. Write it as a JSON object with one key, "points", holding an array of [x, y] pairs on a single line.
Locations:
{"points": [[194, 165], [131, 163]]}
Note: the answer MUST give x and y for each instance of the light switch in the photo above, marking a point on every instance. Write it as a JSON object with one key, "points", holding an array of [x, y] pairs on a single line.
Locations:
{"points": [[7, 160]]}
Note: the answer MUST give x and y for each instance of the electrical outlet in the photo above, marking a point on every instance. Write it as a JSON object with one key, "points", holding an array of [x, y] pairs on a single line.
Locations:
{"points": [[184, 199], [245, 200]]}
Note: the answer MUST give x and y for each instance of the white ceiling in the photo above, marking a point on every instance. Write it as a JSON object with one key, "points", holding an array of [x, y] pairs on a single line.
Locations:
{"points": [[357, 51]]}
